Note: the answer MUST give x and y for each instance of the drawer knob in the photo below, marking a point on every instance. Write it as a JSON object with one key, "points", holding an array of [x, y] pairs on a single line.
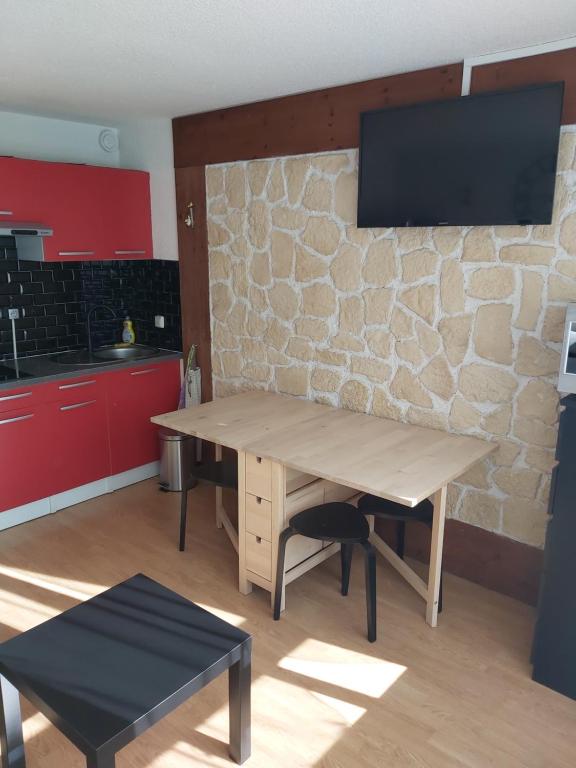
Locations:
{"points": [[258, 539], [258, 500], [259, 459]]}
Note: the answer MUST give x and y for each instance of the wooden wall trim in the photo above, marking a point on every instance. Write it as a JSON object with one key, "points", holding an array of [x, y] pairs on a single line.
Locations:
{"points": [[495, 562], [544, 68], [194, 279], [317, 121]]}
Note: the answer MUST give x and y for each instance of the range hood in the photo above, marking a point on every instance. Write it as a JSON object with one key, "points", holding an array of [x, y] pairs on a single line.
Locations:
{"points": [[29, 238]]}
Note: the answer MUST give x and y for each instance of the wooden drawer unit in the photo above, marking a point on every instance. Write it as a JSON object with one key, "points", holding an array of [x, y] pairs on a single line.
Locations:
{"points": [[259, 516], [336, 492], [259, 556], [300, 548], [259, 476]]}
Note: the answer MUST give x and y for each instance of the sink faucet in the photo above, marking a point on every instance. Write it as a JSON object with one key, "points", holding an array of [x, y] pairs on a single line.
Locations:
{"points": [[89, 314]]}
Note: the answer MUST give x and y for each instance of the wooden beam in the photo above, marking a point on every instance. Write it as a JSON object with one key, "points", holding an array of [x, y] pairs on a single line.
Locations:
{"points": [[544, 68], [194, 283], [317, 121]]}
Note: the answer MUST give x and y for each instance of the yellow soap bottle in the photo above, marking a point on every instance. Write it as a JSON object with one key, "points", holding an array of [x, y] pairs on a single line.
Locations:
{"points": [[128, 334]]}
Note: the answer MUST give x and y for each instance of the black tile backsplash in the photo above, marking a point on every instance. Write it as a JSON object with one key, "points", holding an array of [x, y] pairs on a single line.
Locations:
{"points": [[55, 297]]}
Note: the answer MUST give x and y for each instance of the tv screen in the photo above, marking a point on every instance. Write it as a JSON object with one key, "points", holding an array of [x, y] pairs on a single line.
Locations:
{"points": [[483, 159]]}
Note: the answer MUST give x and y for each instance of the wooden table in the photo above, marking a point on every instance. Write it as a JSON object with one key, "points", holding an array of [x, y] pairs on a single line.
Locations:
{"points": [[294, 454]]}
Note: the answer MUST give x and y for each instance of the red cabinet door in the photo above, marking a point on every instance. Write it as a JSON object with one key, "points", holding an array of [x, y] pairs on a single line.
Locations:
{"points": [[82, 455], [134, 395], [26, 471], [73, 205], [128, 218]]}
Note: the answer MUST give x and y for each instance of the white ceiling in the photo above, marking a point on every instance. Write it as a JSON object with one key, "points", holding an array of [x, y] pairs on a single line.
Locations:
{"points": [[145, 58]]}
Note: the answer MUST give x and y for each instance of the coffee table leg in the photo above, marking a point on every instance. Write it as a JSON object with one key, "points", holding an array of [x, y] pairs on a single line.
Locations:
{"points": [[100, 761], [239, 680], [11, 739]]}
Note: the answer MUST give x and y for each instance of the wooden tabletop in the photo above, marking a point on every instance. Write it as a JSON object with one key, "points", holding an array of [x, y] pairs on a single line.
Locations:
{"points": [[397, 461]]}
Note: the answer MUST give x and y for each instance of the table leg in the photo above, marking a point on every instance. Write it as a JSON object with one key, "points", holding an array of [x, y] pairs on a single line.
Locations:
{"points": [[100, 761], [11, 740], [435, 570], [218, 457], [239, 681]]}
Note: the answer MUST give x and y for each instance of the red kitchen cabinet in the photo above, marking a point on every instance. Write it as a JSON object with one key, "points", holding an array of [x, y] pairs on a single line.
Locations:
{"points": [[95, 212], [78, 423], [128, 223], [134, 395], [25, 456]]}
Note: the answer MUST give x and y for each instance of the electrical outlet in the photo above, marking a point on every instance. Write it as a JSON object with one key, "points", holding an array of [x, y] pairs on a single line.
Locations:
{"points": [[13, 313], [159, 321]]}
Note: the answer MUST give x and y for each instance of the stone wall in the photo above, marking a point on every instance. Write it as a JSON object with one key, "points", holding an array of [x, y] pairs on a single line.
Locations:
{"points": [[453, 328]]}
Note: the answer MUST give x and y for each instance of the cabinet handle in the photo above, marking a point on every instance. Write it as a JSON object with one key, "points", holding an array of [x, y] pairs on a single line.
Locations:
{"points": [[75, 253], [141, 373], [15, 397], [16, 418], [76, 405], [128, 253], [78, 384], [6, 213]]}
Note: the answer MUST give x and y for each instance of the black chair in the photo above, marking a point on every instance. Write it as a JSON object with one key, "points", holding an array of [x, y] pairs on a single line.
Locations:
{"points": [[220, 473], [336, 522], [400, 514]]}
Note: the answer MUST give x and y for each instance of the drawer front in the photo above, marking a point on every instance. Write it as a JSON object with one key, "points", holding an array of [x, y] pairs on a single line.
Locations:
{"points": [[259, 476], [23, 397], [296, 479], [72, 390], [259, 516], [259, 556]]}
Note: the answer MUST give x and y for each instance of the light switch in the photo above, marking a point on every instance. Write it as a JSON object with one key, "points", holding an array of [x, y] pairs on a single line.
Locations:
{"points": [[159, 321]]}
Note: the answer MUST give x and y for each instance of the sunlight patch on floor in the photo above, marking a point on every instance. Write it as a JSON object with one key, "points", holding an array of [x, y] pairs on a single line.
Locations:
{"points": [[34, 725], [342, 667], [78, 590], [232, 618]]}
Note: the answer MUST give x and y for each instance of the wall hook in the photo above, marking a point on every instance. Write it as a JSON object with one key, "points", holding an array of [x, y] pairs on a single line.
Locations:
{"points": [[189, 220]]}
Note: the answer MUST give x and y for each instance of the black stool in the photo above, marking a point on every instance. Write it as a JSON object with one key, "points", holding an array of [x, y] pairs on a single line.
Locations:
{"points": [[341, 523], [400, 514], [221, 473]]}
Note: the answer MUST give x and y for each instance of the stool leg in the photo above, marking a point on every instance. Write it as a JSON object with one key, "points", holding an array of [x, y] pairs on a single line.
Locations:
{"points": [[370, 567], [400, 537], [183, 512], [282, 541], [11, 739], [239, 681], [346, 552]]}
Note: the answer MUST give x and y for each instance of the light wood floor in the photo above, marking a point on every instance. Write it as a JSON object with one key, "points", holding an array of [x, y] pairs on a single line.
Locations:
{"points": [[458, 695]]}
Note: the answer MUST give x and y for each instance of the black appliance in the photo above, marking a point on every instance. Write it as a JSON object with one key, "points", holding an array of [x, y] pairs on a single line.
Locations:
{"points": [[485, 159], [554, 648]]}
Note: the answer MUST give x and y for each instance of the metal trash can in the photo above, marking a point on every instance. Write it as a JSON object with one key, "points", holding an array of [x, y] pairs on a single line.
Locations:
{"points": [[177, 455]]}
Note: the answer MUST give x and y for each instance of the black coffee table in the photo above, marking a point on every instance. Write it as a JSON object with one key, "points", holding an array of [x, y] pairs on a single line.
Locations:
{"points": [[106, 670]]}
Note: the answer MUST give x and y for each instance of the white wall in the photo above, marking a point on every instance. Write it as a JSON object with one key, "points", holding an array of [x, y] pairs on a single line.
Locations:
{"points": [[141, 144], [45, 138], [147, 145]]}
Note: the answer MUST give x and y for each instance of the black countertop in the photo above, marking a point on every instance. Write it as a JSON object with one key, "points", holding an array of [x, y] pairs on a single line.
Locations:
{"points": [[41, 368]]}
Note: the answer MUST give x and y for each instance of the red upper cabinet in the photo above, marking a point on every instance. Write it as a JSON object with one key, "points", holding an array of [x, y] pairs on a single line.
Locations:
{"points": [[128, 224], [95, 212]]}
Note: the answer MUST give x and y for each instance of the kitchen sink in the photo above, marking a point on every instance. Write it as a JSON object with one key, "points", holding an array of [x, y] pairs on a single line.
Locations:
{"points": [[107, 354]]}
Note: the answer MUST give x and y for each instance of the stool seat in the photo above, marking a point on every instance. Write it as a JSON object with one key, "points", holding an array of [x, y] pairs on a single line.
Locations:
{"points": [[392, 510], [334, 521]]}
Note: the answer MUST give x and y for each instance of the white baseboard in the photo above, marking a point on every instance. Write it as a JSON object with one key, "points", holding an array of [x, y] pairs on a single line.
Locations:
{"points": [[136, 475], [23, 514], [52, 504]]}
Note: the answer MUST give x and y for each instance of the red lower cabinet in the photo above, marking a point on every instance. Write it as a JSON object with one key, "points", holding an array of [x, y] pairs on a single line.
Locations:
{"points": [[26, 470], [58, 436], [134, 395], [82, 449]]}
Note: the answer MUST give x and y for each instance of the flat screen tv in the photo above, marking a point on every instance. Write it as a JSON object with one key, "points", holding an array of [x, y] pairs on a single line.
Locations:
{"points": [[483, 159]]}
